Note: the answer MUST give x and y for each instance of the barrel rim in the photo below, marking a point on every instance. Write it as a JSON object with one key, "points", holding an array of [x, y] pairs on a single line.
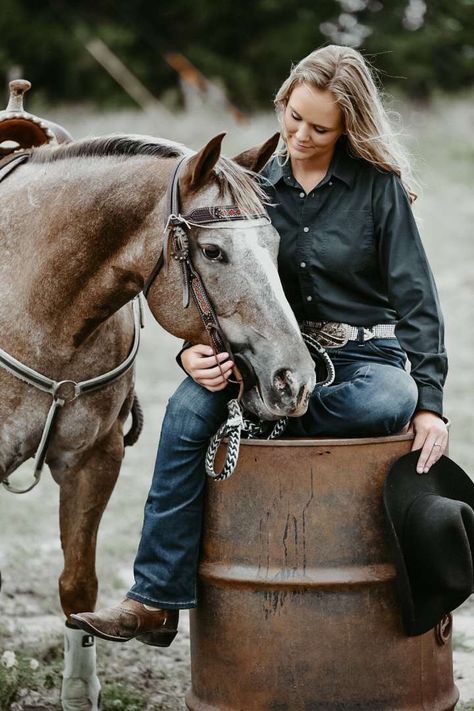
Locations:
{"points": [[326, 442]]}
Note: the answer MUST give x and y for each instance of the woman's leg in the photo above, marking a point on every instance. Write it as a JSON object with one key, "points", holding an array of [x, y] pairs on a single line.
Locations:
{"points": [[167, 558], [372, 395]]}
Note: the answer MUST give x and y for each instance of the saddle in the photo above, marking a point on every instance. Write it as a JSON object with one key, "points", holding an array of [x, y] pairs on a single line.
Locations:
{"points": [[20, 130]]}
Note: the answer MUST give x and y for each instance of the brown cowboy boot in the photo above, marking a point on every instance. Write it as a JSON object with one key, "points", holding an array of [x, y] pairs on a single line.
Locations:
{"points": [[128, 620]]}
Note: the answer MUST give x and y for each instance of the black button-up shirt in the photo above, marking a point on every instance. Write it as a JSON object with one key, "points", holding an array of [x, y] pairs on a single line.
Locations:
{"points": [[350, 251]]}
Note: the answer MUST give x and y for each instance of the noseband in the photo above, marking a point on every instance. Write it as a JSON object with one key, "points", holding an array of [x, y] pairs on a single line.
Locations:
{"points": [[176, 243]]}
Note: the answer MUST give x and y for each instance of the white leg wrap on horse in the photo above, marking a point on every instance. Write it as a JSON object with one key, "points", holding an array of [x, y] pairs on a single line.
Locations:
{"points": [[81, 687]]}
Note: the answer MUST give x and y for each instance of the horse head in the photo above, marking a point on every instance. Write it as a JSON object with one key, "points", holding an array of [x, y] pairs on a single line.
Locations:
{"points": [[237, 262]]}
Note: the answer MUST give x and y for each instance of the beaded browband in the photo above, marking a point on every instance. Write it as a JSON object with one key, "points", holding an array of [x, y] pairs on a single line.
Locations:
{"points": [[208, 215]]}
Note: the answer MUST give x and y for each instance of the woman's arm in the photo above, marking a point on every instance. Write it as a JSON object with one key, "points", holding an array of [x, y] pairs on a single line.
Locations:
{"points": [[412, 293]]}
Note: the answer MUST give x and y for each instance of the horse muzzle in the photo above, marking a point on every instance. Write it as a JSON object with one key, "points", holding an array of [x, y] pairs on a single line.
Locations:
{"points": [[285, 395]]}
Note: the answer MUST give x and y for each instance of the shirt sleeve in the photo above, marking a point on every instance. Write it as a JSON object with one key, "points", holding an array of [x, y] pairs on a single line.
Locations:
{"points": [[411, 290]]}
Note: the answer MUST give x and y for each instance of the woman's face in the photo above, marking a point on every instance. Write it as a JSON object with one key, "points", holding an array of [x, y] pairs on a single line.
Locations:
{"points": [[312, 122]]}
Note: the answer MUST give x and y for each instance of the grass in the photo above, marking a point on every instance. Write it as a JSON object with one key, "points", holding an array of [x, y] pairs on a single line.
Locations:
{"points": [[16, 676], [116, 697], [31, 678]]}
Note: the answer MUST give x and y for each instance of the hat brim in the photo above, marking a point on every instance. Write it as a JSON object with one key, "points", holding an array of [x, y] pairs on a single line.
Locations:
{"points": [[421, 610]]}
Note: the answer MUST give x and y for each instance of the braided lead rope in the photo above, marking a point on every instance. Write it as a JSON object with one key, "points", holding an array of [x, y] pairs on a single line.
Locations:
{"points": [[316, 348], [259, 430], [230, 429], [237, 424]]}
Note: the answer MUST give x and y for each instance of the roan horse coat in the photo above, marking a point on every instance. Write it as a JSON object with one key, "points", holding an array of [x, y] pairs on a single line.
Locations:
{"points": [[81, 227]]}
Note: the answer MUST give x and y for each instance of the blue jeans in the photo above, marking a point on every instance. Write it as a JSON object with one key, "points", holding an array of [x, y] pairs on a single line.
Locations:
{"points": [[372, 395]]}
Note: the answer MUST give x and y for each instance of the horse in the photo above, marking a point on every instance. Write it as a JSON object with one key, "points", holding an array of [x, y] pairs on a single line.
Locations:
{"points": [[81, 230]]}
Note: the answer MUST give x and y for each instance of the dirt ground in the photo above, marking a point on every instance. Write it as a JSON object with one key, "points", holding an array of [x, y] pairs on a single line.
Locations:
{"points": [[135, 677]]}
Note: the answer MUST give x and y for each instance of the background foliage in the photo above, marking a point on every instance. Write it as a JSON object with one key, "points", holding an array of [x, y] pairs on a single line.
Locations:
{"points": [[418, 45]]}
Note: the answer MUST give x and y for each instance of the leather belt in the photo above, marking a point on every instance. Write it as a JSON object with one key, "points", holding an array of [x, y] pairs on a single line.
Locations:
{"points": [[331, 334]]}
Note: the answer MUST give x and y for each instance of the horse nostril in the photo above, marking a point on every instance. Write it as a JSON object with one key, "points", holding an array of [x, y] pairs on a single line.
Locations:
{"points": [[289, 391], [282, 380]]}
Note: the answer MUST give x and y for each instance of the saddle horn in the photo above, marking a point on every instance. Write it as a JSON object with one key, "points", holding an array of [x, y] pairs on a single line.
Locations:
{"points": [[20, 129]]}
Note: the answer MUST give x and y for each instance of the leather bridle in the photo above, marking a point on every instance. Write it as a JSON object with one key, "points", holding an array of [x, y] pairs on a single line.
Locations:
{"points": [[176, 244]]}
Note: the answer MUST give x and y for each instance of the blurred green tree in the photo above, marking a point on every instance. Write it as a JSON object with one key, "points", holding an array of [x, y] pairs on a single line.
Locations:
{"points": [[419, 46]]}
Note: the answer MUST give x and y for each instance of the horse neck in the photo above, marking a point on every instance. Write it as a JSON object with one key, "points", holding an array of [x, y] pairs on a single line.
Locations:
{"points": [[96, 234]]}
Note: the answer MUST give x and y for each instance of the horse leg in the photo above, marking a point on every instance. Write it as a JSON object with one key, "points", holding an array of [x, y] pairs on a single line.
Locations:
{"points": [[84, 493]]}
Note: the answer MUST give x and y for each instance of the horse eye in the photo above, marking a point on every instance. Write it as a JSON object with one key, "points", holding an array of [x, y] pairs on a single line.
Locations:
{"points": [[213, 253]]}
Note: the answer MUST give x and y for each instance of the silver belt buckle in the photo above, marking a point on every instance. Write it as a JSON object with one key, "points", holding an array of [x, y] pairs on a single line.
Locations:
{"points": [[336, 333], [330, 334]]}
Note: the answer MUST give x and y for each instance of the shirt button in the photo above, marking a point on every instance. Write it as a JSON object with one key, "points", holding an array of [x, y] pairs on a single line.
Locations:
{"points": [[330, 183], [302, 194], [302, 265], [305, 229], [309, 298]]}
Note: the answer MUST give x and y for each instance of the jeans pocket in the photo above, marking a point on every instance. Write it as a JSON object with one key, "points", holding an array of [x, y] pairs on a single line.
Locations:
{"points": [[389, 349]]}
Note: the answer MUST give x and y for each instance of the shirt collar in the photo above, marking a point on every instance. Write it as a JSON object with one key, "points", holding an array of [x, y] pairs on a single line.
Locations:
{"points": [[342, 166]]}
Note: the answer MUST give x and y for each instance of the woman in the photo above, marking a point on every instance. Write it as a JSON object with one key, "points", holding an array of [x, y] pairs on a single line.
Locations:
{"points": [[350, 254]]}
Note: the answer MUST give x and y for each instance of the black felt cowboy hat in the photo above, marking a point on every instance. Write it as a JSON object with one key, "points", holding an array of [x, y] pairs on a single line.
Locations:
{"points": [[431, 527]]}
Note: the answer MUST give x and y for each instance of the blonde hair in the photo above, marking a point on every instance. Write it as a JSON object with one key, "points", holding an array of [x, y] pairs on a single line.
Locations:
{"points": [[368, 127]]}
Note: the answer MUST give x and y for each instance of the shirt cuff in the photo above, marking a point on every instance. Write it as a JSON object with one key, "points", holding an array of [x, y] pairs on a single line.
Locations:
{"points": [[430, 398], [185, 346]]}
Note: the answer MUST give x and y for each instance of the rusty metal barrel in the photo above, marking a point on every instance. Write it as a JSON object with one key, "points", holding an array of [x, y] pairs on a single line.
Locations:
{"points": [[297, 603]]}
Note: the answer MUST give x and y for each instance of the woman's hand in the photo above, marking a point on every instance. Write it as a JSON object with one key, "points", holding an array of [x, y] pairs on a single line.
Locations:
{"points": [[201, 364], [431, 436]]}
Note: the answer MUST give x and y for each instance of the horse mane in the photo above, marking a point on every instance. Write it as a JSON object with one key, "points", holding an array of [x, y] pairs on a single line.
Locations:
{"points": [[105, 146], [242, 184]]}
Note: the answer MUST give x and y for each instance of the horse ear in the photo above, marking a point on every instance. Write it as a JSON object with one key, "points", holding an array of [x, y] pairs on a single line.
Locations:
{"points": [[200, 166], [255, 158]]}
